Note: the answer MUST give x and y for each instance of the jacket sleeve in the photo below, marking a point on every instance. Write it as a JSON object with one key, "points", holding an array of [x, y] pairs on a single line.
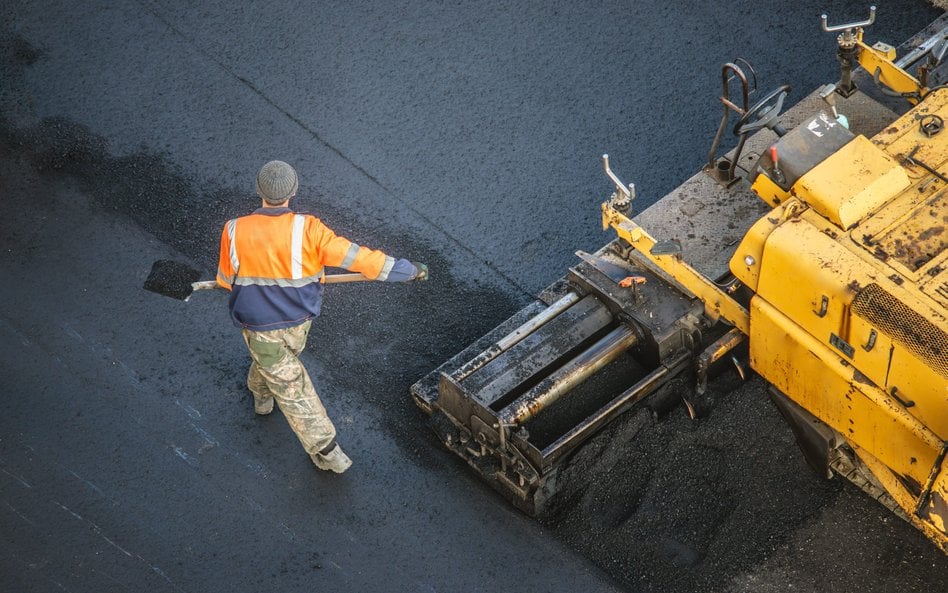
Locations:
{"points": [[339, 252], [403, 271]]}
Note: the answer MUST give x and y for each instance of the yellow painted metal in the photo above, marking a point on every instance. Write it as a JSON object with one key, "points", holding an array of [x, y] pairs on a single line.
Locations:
{"points": [[809, 279], [936, 284], [830, 387], [748, 258], [769, 192], [913, 382], [717, 303], [889, 74], [813, 280], [931, 511], [871, 178], [839, 322], [822, 380], [873, 349], [903, 135], [845, 319], [908, 232]]}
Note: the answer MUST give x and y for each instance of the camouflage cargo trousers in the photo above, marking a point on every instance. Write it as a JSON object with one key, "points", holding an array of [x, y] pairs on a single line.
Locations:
{"points": [[276, 373]]}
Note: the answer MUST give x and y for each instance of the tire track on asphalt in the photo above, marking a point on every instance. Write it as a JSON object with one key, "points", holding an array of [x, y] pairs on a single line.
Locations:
{"points": [[316, 136]]}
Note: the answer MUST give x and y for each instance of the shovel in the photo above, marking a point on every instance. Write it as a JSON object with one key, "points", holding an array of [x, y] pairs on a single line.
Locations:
{"points": [[177, 280]]}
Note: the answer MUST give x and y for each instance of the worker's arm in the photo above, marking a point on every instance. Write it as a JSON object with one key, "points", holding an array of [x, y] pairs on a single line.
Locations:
{"points": [[336, 251]]}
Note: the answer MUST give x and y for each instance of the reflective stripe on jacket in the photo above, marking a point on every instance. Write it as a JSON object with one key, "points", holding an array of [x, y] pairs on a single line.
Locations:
{"points": [[272, 261]]}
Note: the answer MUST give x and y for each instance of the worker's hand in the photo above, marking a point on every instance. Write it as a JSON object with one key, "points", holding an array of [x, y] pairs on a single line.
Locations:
{"points": [[422, 271]]}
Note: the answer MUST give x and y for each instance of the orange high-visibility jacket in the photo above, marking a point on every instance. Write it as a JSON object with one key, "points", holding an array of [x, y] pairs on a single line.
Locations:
{"points": [[273, 259]]}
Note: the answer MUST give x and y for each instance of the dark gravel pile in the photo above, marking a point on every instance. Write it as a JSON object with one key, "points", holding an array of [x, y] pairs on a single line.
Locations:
{"points": [[680, 505]]}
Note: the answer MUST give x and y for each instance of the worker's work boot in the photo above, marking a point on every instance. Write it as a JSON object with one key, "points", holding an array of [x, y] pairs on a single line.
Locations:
{"points": [[262, 407], [335, 460]]}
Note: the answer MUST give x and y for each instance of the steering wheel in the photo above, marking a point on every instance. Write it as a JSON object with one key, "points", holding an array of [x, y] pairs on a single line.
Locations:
{"points": [[764, 114]]}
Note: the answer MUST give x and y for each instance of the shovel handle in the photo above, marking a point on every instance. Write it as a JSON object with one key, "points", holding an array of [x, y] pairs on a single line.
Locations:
{"points": [[329, 279], [337, 278], [205, 285]]}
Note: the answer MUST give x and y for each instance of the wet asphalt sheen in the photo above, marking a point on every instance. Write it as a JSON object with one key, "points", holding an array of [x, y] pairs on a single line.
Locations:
{"points": [[466, 135]]}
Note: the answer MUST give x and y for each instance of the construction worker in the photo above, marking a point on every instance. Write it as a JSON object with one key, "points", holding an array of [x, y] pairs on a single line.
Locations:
{"points": [[272, 261]]}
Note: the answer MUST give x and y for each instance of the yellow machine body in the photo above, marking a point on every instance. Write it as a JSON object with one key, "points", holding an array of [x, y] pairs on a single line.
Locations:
{"points": [[848, 317], [849, 310]]}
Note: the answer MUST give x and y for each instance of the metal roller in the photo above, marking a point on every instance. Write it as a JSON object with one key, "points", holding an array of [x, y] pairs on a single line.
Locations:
{"points": [[516, 336], [570, 375]]}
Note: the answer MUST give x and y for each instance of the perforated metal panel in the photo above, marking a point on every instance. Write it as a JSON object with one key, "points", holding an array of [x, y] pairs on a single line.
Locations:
{"points": [[906, 327]]}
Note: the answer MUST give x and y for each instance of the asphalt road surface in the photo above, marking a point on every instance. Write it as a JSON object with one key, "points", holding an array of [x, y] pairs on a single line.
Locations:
{"points": [[465, 135]]}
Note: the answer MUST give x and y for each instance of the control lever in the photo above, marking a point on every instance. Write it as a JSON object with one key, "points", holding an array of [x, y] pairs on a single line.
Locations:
{"points": [[851, 34], [849, 26], [828, 94], [622, 199]]}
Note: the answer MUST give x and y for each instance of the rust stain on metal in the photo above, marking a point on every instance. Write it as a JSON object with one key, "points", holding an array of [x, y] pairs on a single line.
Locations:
{"points": [[938, 506], [932, 232], [911, 484], [860, 378]]}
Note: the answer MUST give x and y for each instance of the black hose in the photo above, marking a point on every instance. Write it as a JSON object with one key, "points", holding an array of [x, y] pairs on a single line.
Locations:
{"points": [[889, 92]]}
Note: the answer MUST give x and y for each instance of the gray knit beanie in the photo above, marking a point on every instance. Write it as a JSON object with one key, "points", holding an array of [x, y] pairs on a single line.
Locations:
{"points": [[276, 182]]}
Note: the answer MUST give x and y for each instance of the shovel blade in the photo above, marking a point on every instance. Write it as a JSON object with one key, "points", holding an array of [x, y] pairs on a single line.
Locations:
{"points": [[172, 279]]}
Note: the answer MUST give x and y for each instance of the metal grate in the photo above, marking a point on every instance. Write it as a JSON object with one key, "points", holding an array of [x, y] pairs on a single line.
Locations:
{"points": [[906, 327]]}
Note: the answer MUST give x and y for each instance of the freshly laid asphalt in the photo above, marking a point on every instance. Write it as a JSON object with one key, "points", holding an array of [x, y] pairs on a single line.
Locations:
{"points": [[464, 135]]}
